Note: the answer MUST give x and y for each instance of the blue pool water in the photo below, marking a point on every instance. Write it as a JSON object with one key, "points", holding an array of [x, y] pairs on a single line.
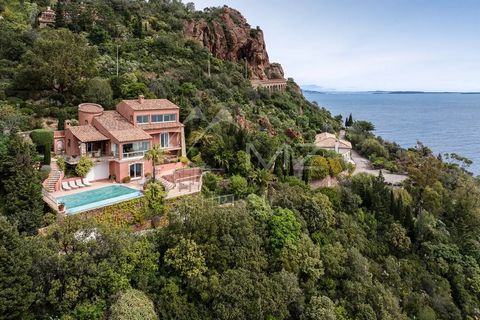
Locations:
{"points": [[446, 123], [97, 198]]}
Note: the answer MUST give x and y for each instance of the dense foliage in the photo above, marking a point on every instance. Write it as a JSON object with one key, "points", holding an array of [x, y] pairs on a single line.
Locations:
{"points": [[361, 250]]}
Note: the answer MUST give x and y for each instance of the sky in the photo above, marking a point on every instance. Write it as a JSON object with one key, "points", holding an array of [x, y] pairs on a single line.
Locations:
{"points": [[358, 45]]}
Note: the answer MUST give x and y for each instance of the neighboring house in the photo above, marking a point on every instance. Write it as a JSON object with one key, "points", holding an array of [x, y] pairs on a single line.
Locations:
{"points": [[46, 18], [329, 141], [118, 140]]}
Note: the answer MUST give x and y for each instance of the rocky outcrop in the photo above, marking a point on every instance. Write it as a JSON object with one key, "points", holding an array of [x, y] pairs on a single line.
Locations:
{"points": [[228, 36]]}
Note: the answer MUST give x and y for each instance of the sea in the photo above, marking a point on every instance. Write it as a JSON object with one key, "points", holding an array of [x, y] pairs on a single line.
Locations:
{"points": [[444, 122]]}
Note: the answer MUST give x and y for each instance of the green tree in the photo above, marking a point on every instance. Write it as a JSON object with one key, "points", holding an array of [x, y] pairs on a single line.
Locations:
{"points": [[320, 308], [16, 285], [133, 305], [84, 165], [60, 15], [57, 60], [157, 156], [373, 147], [154, 196], [283, 228], [99, 91], [187, 259], [47, 156], [20, 185]]}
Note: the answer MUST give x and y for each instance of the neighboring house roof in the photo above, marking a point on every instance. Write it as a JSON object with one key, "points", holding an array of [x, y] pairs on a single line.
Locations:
{"points": [[120, 128], [87, 133], [329, 140], [150, 104]]}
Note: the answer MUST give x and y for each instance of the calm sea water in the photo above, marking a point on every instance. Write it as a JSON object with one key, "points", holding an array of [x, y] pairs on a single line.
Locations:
{"points": [[444, 122]]}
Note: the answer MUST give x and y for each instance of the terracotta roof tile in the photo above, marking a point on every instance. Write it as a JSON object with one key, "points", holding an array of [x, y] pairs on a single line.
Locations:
{"points": [[329, 140], [120, 128], [161, 125], [87, 133], [151, 104]]}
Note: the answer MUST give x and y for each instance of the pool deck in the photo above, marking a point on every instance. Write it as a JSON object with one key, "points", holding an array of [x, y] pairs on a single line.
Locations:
{"points": [[97, 185], [180, 189]]}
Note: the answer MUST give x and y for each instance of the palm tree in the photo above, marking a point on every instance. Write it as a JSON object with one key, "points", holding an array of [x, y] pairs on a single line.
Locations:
{"points": [[156, 155]]}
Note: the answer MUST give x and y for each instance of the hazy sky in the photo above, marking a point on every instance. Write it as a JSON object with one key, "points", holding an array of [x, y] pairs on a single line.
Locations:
{"points": [[370, 44]]}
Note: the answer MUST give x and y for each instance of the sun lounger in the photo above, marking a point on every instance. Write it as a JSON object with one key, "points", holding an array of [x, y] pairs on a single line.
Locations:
{"points": [[65, 186], [79, 183], [86, 182], [73, 185]]}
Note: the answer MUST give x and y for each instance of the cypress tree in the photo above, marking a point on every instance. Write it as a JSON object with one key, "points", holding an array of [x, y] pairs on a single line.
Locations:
{"points": [[47, 156], [350, 120], [62, 116], [59, 16], [138, 28]]}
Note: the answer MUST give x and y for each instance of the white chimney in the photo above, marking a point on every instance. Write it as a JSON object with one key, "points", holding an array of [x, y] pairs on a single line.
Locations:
{"points": [[141, 98]]}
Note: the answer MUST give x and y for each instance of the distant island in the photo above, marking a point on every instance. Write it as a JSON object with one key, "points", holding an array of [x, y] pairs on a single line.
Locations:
{"points": [[308, 90]]}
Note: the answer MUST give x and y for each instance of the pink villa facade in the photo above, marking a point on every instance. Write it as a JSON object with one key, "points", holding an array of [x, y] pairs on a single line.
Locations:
{"points": [[118, 140]]}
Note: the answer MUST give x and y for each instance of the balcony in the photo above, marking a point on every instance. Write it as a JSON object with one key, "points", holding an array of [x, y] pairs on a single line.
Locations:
{"points": [[134, 154]]}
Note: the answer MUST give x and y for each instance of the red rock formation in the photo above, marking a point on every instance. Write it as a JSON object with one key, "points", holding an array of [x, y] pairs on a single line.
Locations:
{"points": [[230, 37]]}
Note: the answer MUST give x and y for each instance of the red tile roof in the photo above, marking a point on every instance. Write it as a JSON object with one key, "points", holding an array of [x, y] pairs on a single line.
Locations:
{"points": [[120, 128], [87, 133], [150, 104], [161, 125]]}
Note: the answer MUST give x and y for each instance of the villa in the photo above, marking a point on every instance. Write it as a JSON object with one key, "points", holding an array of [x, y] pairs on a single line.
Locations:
{"points": [[329, 141], [118, 140]]}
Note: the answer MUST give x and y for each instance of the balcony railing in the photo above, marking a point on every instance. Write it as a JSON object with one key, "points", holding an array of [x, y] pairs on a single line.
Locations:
{"points": [[134, 154]]}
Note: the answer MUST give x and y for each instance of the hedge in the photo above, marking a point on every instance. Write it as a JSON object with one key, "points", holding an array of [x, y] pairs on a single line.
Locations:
{"points": [[42, 137]]}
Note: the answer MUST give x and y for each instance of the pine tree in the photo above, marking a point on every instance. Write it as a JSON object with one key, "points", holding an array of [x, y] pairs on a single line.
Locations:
{"points": [[16, 294], [59, 16], [20, 186]]}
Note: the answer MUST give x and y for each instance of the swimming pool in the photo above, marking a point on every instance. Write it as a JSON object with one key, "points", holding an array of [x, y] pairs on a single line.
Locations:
{"points": [[97, 198]]}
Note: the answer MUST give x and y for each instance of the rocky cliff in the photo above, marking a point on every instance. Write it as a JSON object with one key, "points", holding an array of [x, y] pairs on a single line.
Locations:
{"points": [[226, 33]]}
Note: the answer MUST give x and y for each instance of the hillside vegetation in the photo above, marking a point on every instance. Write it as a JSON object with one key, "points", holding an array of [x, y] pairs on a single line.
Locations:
{"points": [[361, 250]]}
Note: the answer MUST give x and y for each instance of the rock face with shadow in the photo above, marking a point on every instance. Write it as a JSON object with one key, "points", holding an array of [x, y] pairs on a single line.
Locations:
{"points": [[227, 35]]}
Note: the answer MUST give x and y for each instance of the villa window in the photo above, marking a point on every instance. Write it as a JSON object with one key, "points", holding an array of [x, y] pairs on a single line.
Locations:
{"points": [[164, 118], [89, 147], [135, 149], [68, 143], [164, 140], [136, 171], [143, 119]]}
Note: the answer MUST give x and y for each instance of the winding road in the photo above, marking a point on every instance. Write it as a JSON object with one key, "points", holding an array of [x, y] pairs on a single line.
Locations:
{"points": [[363, 165]]}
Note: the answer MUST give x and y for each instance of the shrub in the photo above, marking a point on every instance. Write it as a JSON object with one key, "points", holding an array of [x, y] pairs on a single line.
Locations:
{"points": [[319, 167], [239, 185], [126, 179], [61, 164], [335, 166], [42, 137], [210, 181], [133, 305], [184, 160], [85, 164], [156, 222], [372, 146]]}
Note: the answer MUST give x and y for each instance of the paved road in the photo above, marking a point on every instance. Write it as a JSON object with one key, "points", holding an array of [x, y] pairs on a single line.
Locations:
{"points": [[362, 164]]}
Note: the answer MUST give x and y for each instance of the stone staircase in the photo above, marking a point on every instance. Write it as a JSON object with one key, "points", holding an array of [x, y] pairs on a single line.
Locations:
{"points": [[53, 177], [167, 184]]}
